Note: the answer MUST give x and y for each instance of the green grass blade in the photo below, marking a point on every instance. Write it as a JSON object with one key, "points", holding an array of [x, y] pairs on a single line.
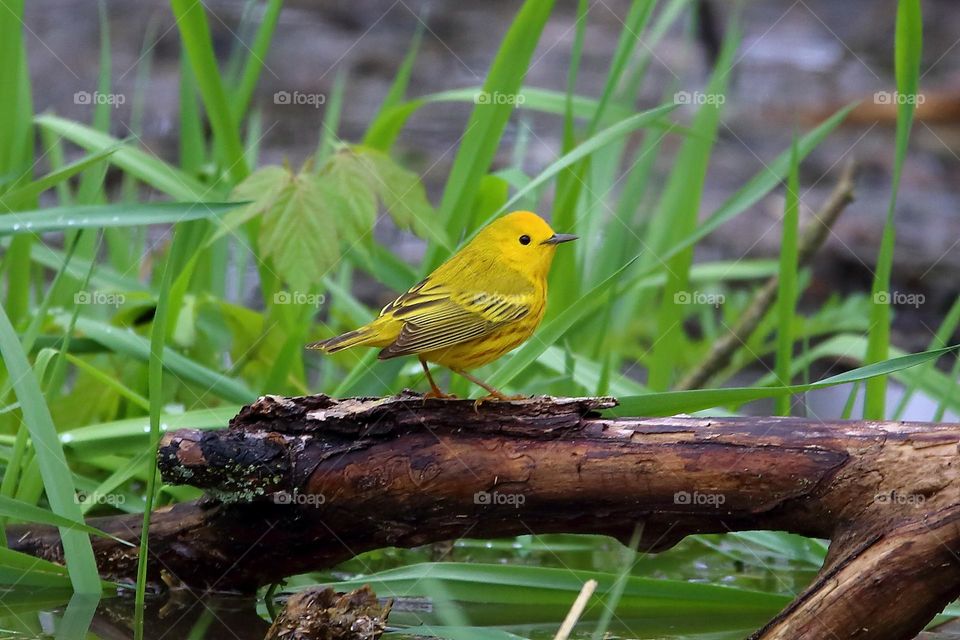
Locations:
{"points": [[584, 149], [53, 150], [787, 294], [331, 120], [950, 395], [633, 26], [255, 59], [109, 215], [109, 381], [555, 588], [939, 340], [191, 18], [24, 570], [152, 170], [765, 180], [90, 189], [453, 633], [377, 135], [551, 333], [57, 479], [141, 85], [77, 617], [749, 194], [32, 190], [103, 277], [908, 43], [131, 345], [158, 336], [673, 402], [131, 435], [16, 149], [677, 214], [389, 124], [18, 510], [56, 380], [616, 592], [193, 148], [570, 181], [853, 347], [489, 119], [15, 132]]}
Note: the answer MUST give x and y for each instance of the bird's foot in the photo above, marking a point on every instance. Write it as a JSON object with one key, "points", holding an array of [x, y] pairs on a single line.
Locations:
{"points": [[437, 394], [497, 397]]}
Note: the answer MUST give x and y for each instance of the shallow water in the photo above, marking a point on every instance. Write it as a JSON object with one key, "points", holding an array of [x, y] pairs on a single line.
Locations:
{"points": [[184, 614]]}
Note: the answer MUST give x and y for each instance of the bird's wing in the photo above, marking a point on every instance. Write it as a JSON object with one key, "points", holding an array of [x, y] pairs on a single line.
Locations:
{"points": [[435, 317]]}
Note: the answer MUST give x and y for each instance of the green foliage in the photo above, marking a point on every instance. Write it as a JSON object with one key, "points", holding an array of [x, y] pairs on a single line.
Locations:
{"points": [[306, 217], [111, 334]]}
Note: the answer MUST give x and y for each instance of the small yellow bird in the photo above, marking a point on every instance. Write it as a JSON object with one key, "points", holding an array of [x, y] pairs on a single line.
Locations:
{"points": [[485, 300]]}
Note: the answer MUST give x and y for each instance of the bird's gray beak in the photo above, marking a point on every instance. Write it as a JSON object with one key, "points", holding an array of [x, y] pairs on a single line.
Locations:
{"points": [[557, 238]]}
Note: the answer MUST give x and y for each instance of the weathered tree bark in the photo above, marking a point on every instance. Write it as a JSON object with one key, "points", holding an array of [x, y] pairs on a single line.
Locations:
{"points": [[300, 484]]}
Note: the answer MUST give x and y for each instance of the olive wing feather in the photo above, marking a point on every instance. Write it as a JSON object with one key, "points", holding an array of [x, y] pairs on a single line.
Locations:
{"points": [[435, 317]]}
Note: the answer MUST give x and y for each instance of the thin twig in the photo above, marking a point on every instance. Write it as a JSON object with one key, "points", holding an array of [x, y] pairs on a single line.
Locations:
{"points": [[576, 610], [812, 238]]}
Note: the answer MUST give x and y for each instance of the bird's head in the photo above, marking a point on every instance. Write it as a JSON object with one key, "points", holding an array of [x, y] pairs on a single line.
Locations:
{"points": [[524, 240]]}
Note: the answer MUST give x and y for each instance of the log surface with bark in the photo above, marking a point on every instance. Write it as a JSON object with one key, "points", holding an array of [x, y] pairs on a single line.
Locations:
{"points": [[300, 484]]}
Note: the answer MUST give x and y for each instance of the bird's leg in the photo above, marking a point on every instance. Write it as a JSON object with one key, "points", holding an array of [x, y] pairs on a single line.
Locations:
{"points": [[494, 393], [435, 391]]}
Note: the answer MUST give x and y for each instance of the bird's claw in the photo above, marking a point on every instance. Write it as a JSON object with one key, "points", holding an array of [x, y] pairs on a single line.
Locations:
{"points": [[497, 397], [437, 394]]}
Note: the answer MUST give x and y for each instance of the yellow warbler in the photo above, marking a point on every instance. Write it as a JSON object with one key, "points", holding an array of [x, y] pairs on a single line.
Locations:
{"points": [[485, 300]]}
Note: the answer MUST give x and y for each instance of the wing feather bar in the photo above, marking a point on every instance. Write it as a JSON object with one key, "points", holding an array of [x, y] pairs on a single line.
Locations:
{"points": [[440, 319]]}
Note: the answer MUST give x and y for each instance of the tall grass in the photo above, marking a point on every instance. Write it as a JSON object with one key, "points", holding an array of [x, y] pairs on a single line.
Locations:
{"points": [[908, 44], [110, 336], [787, 294]]}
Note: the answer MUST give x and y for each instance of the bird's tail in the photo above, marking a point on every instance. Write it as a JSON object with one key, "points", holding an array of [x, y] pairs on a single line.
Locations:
{"points": [[343, 341]]}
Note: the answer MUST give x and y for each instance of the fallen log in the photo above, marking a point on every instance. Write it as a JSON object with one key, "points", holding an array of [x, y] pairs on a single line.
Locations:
{"points": [[300, 484]]}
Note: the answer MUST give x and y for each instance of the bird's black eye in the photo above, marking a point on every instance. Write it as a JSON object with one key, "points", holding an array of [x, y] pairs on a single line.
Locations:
{"points": [[524, 239]]}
